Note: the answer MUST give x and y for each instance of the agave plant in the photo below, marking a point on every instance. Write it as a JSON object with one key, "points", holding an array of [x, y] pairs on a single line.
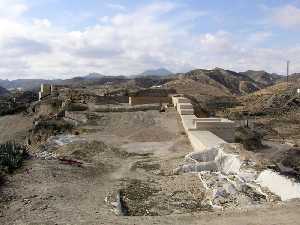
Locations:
{"points": [[11, 156]]}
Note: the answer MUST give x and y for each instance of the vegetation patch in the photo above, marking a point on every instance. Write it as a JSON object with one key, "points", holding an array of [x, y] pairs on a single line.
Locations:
{"points": [[11, 156]]}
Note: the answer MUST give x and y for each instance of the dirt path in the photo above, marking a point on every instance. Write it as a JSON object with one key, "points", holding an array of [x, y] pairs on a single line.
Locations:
{"points": [[133, 152]]}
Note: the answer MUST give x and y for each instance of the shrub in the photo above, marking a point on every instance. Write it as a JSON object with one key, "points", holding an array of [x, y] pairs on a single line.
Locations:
{"points": [[53, 126], [11, 156]]}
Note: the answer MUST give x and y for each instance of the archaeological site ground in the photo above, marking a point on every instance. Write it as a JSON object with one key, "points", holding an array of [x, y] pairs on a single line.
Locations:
{"points": [[181, 149]]}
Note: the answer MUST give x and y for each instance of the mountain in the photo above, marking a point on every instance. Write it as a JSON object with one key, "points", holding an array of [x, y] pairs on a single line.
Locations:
{"points": [[156, 72], [221, 82], [26, 84], [216, 82], [293, 78], [92, 76], [3, 91], [263, 78]]}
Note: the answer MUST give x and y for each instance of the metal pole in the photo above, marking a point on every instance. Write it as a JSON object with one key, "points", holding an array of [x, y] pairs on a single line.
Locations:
{"points": [[287, 71]]}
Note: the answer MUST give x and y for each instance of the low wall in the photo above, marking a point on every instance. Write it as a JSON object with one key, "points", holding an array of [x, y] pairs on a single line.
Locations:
{"points": [[185, 106], [102, 100], [223, 128], [76, 117], [186, 111], [148, 100], [203, 133], [179, 100], [127, 108], [203, 140]]}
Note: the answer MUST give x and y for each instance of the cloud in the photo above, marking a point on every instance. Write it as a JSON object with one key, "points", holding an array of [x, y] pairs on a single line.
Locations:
{"points": [[217, 43], [259, 36], [23, 46], [12, 8], [128, 42], [42, 23], [116, 6], [287, 16]]}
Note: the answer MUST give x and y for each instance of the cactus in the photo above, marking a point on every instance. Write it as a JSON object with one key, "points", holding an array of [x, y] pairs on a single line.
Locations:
{"points": [[11, 156]]}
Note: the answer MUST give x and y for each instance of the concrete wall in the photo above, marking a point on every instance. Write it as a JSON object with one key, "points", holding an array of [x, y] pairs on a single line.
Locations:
{"points": [[203, 133], [185, 106], [204, 140], [177, 100], [221, 127], [149, 100]]}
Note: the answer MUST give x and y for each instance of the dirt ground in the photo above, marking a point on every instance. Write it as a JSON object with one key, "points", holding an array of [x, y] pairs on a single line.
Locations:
{"points": [[14, 127], [130, 152]]}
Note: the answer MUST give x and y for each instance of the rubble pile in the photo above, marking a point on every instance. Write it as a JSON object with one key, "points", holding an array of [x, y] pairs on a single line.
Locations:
{"points": [[230, 182]]}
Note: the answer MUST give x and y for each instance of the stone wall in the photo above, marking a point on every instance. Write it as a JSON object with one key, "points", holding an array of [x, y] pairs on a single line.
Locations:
{"points": [[148, 100], [102, 100], [76, 117]]}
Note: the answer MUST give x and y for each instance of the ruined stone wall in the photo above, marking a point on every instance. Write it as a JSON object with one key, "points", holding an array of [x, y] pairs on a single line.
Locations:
{"points": [[76, 117], [149, 100], [102, 100]]}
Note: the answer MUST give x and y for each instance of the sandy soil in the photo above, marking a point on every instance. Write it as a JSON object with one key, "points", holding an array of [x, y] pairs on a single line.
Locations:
{"points": [[134, 152]]}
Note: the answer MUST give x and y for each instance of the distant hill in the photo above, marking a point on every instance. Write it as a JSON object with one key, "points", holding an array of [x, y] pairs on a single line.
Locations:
{"points": [[26, 84], [220, 82], [157, 72], [34, 84], [263, 78], [3, 91], [294, 78], [94, 76], [216, 82]]}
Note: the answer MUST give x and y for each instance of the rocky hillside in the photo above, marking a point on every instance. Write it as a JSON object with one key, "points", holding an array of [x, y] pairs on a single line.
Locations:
{"points": [[216, 82], [279, 97], [220, 82], [263, 78]]}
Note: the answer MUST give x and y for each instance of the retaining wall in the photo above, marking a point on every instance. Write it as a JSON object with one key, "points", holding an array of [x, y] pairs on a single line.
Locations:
{"points": [[149, 100], [203, 133]]}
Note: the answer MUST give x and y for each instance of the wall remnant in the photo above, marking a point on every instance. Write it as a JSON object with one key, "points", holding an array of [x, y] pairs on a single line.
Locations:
{"points": [[144, 100]]}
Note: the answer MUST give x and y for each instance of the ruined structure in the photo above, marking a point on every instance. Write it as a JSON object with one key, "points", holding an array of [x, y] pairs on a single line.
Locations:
{"points": [[45, 91], [150, 96]]}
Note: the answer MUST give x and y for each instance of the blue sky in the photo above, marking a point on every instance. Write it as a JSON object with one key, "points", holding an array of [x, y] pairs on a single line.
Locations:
{"points": [[65, 38]]}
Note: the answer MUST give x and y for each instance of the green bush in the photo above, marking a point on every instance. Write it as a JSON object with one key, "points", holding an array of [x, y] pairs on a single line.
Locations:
{"points": [[11, 156]]}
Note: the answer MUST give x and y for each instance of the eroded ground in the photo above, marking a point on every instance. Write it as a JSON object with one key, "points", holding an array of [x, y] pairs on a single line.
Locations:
{"points": [[134, 153]]}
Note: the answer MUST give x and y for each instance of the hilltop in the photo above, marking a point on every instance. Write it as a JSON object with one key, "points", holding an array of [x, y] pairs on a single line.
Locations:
{"points": [[216, 82], [156, 72]]}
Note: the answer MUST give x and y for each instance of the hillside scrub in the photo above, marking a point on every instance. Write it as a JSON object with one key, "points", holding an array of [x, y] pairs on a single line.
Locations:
{"points": [[11, 156]]}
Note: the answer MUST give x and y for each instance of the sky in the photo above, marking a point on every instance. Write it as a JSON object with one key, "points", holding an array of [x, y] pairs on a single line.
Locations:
{"points": [[66, 38]]}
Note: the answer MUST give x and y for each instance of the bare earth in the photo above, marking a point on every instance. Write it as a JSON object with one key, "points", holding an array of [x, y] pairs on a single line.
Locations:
{"points": [[135, 152]]}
